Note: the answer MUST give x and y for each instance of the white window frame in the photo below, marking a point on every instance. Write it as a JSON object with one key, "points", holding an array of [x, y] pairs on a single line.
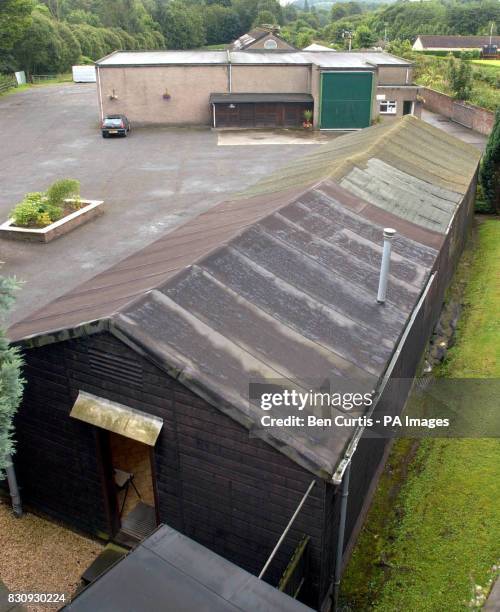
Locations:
{"points": [[391, 107]]}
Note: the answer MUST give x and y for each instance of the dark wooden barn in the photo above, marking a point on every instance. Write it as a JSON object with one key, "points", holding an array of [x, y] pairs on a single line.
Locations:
{"points": [[145, 369]]}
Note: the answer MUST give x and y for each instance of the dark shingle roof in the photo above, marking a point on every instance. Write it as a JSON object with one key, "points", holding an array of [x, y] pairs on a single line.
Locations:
{"points": [[457, 42]]}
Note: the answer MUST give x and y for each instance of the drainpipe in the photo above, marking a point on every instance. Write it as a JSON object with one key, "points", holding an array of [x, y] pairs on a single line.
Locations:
{"points": [[13, 488], [229, 71], [341, 536], [99, 92], [386, 262]]}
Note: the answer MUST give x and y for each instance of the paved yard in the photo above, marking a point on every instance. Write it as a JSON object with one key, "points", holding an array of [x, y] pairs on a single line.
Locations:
{"points": [[150, 181]]}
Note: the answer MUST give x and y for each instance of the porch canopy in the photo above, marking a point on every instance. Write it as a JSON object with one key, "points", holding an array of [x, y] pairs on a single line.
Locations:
{"points": [[117, 418]]}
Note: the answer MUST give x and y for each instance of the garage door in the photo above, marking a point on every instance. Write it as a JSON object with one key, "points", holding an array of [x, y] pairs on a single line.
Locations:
{"points": [[346, 99]]}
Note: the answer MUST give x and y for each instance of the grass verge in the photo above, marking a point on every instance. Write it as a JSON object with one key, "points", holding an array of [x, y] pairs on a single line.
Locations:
{"points": [[433, 533]]}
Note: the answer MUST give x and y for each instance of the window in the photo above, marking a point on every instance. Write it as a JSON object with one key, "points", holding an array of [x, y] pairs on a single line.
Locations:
{"points": [[388, 107], [270, 44]]}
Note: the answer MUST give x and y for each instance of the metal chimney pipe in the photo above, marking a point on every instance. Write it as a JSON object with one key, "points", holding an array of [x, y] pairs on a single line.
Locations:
{"points": [[386, 262]]}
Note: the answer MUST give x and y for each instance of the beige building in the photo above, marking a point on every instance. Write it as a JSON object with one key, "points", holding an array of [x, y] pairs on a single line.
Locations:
{"points": [[344, 91], [454, 43]]}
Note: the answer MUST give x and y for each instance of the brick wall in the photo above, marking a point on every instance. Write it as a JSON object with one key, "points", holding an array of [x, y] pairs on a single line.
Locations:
{"points": [[474, 117]]}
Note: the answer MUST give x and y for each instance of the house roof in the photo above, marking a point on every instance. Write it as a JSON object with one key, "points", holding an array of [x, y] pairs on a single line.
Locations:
{"points": [[323, 59], [250, 38], [170, 567], [266, 260], [317, 47], [457, 42]]}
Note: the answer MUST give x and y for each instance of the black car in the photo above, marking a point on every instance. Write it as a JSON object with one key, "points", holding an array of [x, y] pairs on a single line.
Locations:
{"points": [[117, 125]]}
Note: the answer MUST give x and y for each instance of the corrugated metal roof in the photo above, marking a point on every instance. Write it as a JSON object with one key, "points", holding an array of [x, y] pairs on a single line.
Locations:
{"points": [[225, 98], [281, 283], [169, 571], [325, 59]]}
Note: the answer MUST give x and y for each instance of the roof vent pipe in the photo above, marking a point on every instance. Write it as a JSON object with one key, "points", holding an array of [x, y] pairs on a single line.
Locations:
{"points": [[384, 267]]}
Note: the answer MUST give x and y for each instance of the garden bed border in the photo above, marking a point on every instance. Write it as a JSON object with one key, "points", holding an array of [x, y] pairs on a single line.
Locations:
{"points": [[89, 210]]}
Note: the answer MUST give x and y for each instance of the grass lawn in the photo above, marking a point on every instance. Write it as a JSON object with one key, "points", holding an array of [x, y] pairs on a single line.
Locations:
{"points": [[433, 533], [489, 63]]}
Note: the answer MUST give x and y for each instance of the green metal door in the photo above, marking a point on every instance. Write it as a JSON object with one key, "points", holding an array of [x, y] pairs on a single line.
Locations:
{"points": [[346, 99]]}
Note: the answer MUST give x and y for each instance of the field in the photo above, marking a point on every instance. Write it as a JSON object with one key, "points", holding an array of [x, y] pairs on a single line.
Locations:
{"points": [[431, 540], [489, 63]]}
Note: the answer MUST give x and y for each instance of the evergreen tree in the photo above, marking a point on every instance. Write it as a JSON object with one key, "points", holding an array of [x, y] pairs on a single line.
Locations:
{"points": [[489, 174], [460, 78], [11, 382]]}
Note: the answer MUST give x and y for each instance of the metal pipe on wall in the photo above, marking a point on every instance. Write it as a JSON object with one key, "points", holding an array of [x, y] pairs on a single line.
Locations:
{"points": [[229, 71], [13, 488], [341, 537]]}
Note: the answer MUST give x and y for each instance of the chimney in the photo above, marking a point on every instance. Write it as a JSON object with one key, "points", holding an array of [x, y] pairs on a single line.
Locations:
{"points": [[384, 267]]}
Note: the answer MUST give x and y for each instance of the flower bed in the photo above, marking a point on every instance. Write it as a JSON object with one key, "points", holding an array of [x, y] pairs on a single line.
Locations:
{"points": [[87, 210]]}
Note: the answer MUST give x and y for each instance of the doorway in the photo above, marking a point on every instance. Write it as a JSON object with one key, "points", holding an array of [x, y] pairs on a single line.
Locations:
{"points": [[134, 488], [408, 107]]}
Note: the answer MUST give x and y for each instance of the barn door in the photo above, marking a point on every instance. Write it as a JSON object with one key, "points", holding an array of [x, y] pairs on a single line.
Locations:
{"points": [[346, 99]]}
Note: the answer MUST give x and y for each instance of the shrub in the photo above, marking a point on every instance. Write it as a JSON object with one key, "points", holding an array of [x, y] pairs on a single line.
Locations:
{"points": [[460, 78], [61, 190], [42, 209], [34, 210], [489, 173]]}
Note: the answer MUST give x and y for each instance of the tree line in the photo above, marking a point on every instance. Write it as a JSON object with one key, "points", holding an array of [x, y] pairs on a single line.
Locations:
{"points": [[49, 36]]}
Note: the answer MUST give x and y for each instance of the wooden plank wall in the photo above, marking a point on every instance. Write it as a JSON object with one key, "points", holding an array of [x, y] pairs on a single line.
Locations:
{"points": [[230, 492]]}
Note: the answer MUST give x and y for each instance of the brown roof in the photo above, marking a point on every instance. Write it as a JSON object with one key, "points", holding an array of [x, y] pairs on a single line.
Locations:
{"points": [[280, 285], [457, 42]]}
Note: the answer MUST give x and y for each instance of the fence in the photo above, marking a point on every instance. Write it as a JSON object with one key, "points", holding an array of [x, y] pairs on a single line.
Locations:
{"points": [[40, 78], [5, 86], [469, 115]]}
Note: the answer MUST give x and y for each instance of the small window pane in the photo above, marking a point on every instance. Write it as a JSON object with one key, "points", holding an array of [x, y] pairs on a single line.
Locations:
{"points": [[388, 107]]}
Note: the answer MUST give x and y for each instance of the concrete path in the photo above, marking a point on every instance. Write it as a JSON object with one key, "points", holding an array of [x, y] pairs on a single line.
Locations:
{"points": [[493, 602], [455, 129], [274, 137]]}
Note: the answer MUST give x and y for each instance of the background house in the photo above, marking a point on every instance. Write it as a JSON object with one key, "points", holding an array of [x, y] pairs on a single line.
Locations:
{"points": [[256, 88], [146, 368], [264, 38], [453, 43]]}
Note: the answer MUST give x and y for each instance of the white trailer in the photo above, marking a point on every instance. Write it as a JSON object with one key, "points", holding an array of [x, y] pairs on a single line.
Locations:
{"points": [[84, 74]]}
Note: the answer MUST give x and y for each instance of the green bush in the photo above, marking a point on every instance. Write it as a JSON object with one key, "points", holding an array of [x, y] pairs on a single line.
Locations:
{"points": [[34, 210], [62, 190], [489, 172]]}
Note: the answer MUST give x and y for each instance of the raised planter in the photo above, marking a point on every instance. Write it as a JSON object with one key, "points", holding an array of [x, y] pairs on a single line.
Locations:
{"points": [[89, 210]]}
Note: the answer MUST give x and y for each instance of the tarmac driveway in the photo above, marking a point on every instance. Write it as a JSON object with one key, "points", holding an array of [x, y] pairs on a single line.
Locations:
{"points": [[150, 181]]}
